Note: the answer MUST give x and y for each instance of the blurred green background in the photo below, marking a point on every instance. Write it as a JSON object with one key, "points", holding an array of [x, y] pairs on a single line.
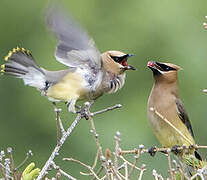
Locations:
{"points": [[162, 30]]}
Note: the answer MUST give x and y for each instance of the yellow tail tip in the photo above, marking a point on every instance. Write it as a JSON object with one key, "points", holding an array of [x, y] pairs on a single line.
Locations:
{"points": [[6, 58], [3, 66], [16, 50]]}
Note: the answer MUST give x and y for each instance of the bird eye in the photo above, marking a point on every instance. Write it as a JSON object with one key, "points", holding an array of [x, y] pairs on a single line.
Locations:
{"points": [[164, 67], [167, 69], [117, 59]]}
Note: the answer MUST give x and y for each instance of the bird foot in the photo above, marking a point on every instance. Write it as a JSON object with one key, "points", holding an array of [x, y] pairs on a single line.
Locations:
{"points": [[152, 151], [85, 111], [175, 149]]}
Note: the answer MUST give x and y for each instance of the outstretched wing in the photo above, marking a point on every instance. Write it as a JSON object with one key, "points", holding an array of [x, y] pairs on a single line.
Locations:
{"points": [[75, 47], [183, 115]]}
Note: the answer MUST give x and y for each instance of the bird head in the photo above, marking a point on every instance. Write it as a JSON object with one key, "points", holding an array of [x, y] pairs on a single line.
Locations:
{"points": [[116, 62], [164, 71]]}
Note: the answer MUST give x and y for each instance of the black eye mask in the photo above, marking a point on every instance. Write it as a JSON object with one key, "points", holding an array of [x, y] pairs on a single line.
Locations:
{"points": [[119, 59], [164, 67]]}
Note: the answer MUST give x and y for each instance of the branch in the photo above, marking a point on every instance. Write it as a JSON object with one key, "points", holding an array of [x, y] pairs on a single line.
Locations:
{"points": [[83, 164], [58, 146], [107, 109], [84, 113], [162, 150], [62, 172]]}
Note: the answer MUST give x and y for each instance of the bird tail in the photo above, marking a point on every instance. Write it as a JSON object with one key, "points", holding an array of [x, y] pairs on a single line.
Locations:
{"points": [[20, 63]]}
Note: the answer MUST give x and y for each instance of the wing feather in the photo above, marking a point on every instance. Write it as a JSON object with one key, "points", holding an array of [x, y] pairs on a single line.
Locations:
{"points": [[75, 47], [183, 115]]}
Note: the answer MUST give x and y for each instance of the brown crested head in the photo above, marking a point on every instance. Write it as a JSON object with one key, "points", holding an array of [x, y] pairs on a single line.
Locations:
{"points": [[166, 72], [116, 62]]}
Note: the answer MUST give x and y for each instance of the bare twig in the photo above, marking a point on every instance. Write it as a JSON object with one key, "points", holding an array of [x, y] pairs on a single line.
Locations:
{"points": [[117, 148], [156, 175], [99, 171], [84, 112], [130, 164], [170, 124], [136, 159], [141, 171], [107, 109], [100, 152], [29, 154], [93, 166], [58, 146], [2, 167], [83, 164], [169, 164], [7, 168], [62, 172], [12, 167], [126, 172], [179, 148]]}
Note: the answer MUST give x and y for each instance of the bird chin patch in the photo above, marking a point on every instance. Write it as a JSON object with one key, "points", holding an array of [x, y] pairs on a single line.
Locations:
{"points": [[157, 71]]}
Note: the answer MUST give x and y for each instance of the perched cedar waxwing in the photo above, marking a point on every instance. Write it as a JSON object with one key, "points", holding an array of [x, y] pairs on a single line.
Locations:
{"points": [[165, 110], [89, 74]]}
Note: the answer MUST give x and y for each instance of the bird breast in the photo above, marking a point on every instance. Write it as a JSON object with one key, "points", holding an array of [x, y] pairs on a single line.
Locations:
{"points": [[114, 82]]}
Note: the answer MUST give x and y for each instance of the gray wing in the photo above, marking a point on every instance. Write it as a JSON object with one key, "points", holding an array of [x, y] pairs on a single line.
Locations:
{"points": [[183, 115], [75, 47]]}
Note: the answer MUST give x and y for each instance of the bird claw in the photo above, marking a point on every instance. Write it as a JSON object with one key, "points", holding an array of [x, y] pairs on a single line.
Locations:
{"points": [[152, 151], [85, 115], [175, 149], [84, 112]]}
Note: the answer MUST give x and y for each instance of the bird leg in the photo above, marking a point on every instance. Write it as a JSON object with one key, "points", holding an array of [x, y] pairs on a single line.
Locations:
{"points": [[85, 111], [175, 149], [152, 151], [71, 106]]}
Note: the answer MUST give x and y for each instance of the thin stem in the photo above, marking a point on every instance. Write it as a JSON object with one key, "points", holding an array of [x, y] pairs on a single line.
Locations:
{"points": [[169, 165], [100, 152], [29, 154], [62, 172], [126, 172], [2, 167], [58, 147], [83, 164], [134, 164], [117, 148], [141, 173], [99, 171], [107, 109], [12, 167], [170, 124]]}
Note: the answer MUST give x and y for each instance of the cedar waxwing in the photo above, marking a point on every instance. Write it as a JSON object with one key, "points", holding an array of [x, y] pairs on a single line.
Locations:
{"points": [[89, 74], [165, 110]]}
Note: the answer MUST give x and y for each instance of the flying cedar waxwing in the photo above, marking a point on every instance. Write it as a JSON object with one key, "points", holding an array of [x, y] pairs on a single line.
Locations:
{"points": [[165, 110], [89, 74]]}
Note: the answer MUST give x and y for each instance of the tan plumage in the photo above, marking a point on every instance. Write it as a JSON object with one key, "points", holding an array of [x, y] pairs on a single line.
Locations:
{"points": [[89, 74], [174, 127]]}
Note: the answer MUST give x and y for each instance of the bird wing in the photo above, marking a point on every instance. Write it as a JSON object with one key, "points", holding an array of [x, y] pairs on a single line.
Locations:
{"points": [[75, 47], [183, 115]]}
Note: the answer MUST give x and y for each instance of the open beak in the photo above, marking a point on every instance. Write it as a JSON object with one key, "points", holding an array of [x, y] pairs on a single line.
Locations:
{"points": [[154, 67], [129, 67]]}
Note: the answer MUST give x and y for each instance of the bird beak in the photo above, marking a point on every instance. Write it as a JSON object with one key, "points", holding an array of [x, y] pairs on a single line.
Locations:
{"points": [[151, 64], [154, 67], [129, 67], [130, 55]]}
